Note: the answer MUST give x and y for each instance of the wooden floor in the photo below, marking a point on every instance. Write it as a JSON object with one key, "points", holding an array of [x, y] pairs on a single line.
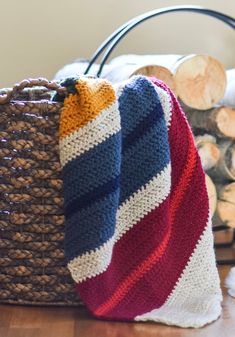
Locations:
{"points": [[18, 321]]}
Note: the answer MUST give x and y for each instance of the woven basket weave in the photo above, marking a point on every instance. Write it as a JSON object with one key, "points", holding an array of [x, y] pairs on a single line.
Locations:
{"points": [[32, 264]]}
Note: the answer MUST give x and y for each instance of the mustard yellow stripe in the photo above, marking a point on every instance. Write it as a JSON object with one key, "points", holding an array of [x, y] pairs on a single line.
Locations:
{"points": [[94, 95]]}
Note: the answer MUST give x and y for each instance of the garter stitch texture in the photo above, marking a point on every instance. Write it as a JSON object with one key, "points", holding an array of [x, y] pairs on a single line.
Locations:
{"points": [[138, 242]]}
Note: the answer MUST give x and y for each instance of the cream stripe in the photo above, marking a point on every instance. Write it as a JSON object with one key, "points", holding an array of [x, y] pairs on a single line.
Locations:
{"points": [[91, 263], [130, 212], [143, 201], [94, 132], [196, 298], [165, 100]]}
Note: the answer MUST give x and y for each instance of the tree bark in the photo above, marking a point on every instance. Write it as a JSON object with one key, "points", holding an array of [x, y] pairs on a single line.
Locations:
{"points": [[218, 121]]}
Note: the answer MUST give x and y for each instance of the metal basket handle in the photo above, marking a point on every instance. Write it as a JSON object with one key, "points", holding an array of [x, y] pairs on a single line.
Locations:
{"points": [[29, 83], [111, 42]]}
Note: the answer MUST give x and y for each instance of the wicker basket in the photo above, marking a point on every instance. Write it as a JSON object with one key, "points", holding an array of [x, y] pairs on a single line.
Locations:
{"points": [[32, 265]]}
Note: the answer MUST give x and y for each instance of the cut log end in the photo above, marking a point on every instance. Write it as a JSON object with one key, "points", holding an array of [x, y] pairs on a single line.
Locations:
{"points": [[225, 120], [200, 81], [219, 121]]}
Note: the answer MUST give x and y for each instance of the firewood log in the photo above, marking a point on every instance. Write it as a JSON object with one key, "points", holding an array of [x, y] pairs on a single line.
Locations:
{"points": [[208, 151], [226, 204], [229, 96], [219, 121], [200, 79], [212, 195], [225, 167]]}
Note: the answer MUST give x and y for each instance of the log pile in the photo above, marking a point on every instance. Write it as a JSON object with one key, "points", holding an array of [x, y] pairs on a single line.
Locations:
{"points": [[214, 131]]}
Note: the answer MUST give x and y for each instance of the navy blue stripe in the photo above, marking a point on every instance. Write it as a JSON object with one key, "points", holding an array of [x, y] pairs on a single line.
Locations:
{"points": [[144, 160], [91, 227], [145, 149], [137, 99], [93, 168], [89, 198], [142, 128]]}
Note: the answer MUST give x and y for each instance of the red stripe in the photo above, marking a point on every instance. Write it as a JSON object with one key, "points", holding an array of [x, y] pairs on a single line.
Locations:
{"points": [[135, 246], [137, 274], [157, 284]]}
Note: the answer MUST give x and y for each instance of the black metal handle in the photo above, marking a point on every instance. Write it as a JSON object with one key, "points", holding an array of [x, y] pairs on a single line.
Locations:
{"points": [[111, 42]]}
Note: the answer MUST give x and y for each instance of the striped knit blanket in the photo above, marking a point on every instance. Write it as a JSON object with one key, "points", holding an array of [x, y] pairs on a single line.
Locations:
{"points": [[138, 240]]}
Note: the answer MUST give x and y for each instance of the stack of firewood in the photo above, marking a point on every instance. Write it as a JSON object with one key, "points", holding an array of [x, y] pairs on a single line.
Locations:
{"points": [[214, 131]]}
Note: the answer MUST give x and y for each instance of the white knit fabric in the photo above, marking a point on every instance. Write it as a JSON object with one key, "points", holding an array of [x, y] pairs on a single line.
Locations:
{"points": [[165, 100]]}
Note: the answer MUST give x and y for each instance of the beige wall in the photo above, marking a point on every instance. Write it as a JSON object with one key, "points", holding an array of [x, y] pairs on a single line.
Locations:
{"points": [[39, 36]]}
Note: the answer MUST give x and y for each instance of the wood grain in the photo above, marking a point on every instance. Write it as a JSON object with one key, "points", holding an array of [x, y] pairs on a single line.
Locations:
{"points": [[17, 321]]}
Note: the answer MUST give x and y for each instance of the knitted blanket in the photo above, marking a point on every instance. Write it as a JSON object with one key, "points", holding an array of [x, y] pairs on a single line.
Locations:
{"points": [[138, 238]]}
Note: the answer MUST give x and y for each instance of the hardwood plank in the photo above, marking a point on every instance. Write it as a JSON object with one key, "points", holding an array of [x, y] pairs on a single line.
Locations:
{"points": [[5, 316], [25, 321], [22, 332], [50, 321]]}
